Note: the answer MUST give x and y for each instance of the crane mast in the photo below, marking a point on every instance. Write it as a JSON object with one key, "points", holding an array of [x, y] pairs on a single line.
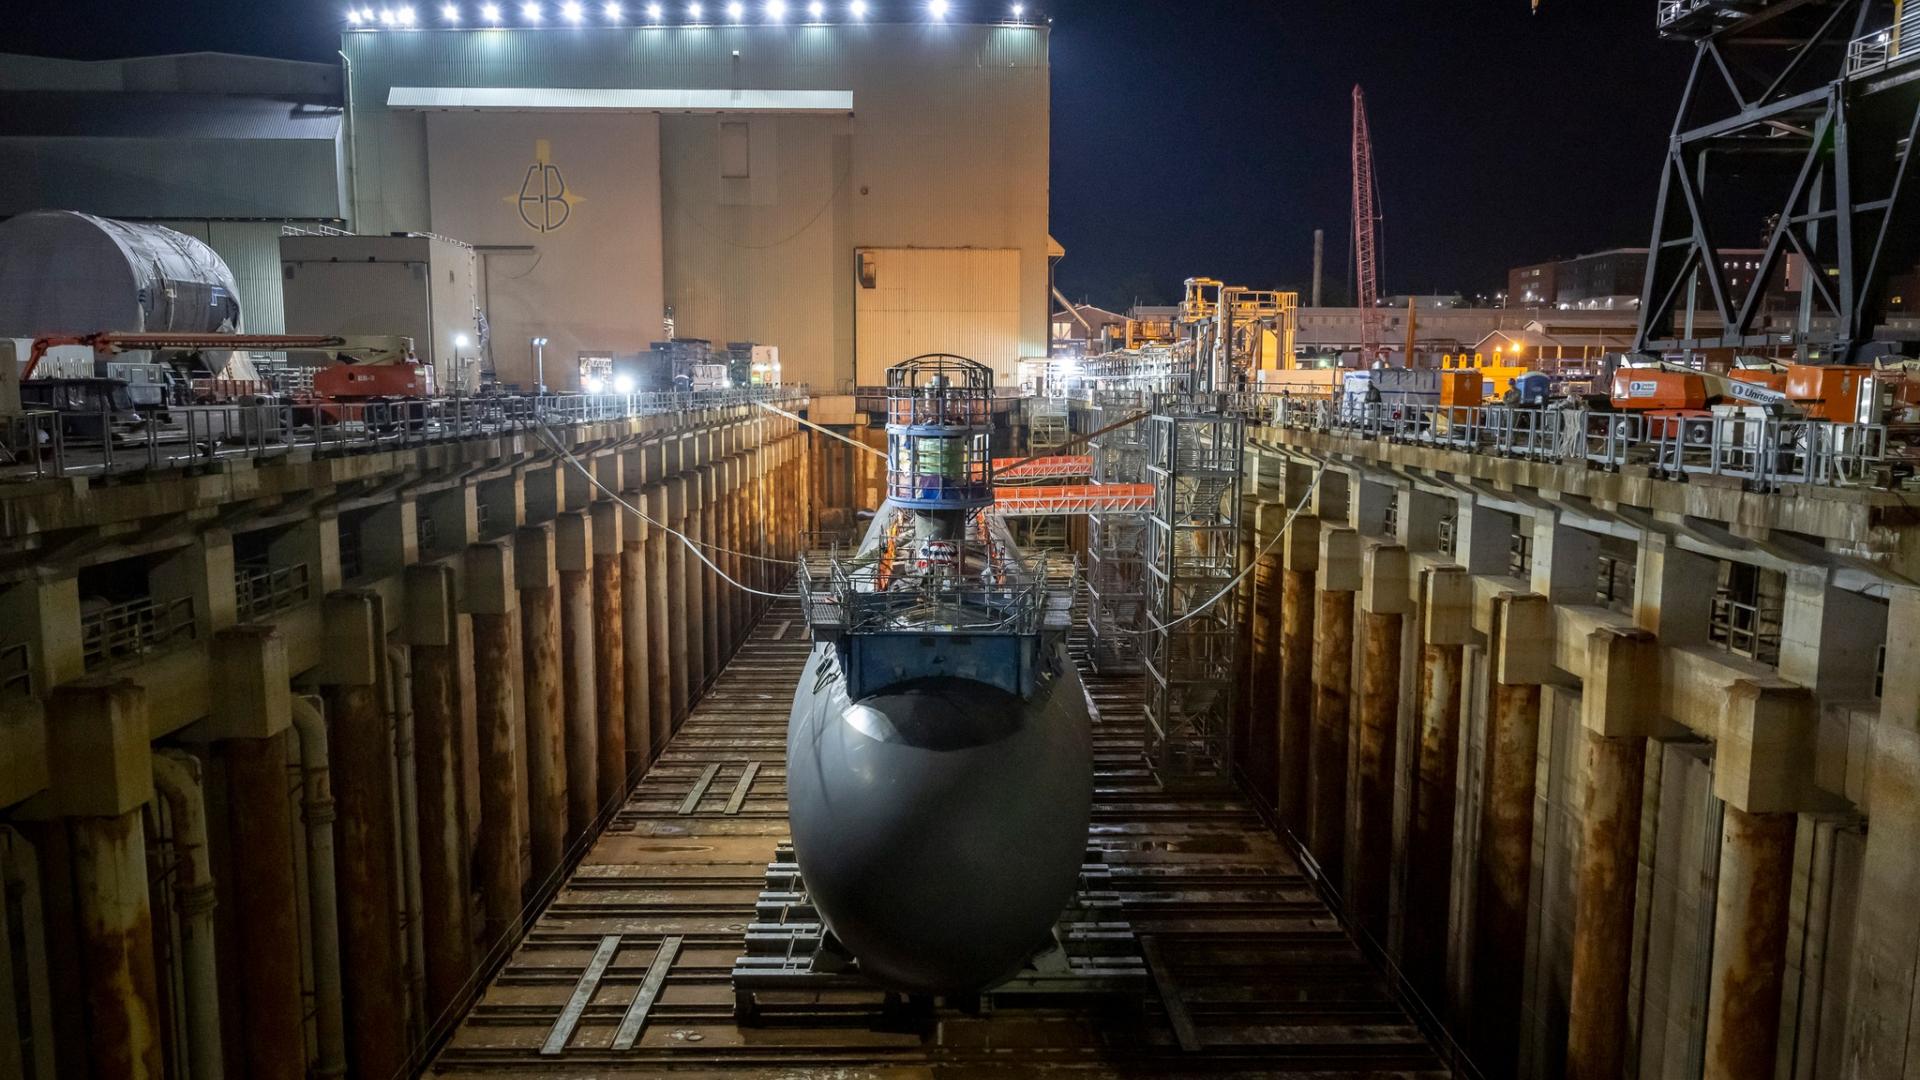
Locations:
{"points": [[1366, 218]]}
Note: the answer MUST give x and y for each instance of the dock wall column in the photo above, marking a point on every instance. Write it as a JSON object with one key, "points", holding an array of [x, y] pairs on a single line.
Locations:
{"points": [[246, 728], [683, 598], [659, 683], [442, 809], [102, 774], [536, 575], [1520, 658], [1383, 605], [573, 556], [1302, 559], [1263, 679], [734, 602], [712, 615], [1619, 709], [634, 533], [1762, 770], [368, 879], [491, 598], [609, 655], [1339, 579], [1446, 627]]}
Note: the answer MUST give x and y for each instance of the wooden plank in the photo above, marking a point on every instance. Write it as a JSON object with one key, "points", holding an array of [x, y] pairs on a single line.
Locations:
{"points": [[745, 785], [648, 993], [582, 994], [700, 789], [1177, 1015]]}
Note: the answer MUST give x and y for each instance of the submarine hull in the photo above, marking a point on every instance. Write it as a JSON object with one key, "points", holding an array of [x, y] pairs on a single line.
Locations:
{"points": [[940, 823]]}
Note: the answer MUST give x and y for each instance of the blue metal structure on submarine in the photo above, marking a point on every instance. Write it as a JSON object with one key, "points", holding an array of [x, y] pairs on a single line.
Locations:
{"points": [[939, 759]]}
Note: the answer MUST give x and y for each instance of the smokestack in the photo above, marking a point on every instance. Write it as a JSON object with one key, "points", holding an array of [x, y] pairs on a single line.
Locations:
{"points": [[1319, 256]]}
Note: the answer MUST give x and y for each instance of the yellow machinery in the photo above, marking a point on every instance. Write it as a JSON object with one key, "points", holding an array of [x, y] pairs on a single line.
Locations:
{"points": [[1496, 377], [1244, 330]]}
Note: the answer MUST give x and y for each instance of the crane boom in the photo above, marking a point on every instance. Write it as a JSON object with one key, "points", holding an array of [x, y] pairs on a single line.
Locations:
{"points": [[1366, 218]]}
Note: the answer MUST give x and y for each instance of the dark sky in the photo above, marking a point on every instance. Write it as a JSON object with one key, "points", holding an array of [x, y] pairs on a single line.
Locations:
{"points": [[1210, 137]]}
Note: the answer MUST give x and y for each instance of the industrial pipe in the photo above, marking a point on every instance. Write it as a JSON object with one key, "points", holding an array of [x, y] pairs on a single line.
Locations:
{"points": [[316, 808], [176, 776], [407, 838]]}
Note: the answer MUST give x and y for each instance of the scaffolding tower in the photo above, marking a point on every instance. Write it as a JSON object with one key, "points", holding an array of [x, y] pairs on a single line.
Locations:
{"points": [[1116, 539], [1192, 556]]}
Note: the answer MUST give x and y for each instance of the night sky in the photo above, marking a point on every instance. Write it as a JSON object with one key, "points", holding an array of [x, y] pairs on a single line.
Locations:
{"points": [[1210, 137]]}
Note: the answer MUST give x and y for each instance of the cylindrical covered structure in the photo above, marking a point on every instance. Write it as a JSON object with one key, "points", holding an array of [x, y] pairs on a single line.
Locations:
{"points": [[63, 272]]}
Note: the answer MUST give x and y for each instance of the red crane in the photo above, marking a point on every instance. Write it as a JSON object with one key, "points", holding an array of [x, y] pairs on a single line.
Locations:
{"points": [[1366, 220]]}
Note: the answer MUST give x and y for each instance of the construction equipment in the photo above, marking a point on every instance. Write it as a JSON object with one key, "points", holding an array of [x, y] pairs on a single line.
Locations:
{"points": [[1366, 219]]}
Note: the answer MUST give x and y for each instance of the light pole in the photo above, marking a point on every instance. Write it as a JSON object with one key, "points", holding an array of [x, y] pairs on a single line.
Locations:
{"points": [[539, 365]]}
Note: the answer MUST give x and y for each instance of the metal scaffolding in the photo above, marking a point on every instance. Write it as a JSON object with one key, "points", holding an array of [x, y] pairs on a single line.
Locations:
{"points": [[1116, 537], [1192, 557]]}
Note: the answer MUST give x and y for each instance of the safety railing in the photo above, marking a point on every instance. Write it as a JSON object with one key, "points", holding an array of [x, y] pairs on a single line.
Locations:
{"points": [[1762, 450], [1872, 52], [262, 590], [134, 629], [16, 670], [1745, 629], [47, 443]]}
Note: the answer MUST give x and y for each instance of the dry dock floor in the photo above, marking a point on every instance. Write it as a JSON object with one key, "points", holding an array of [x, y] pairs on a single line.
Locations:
{"points": [[1256, 976]]}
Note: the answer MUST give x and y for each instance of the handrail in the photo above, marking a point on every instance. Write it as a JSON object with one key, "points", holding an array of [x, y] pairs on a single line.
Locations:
{"points": [[262, 590], [16, 670], [52, 443], [133, 629], [1764, 451]]}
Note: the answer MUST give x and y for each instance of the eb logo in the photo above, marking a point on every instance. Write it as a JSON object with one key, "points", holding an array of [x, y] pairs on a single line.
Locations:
{"points": [[544, 202]]}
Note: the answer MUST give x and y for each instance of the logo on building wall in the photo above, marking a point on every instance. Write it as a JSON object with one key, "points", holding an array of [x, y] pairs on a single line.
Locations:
{"points": [[544, 202]]}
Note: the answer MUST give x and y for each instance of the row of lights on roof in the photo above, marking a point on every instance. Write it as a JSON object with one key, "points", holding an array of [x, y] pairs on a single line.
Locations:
{"points": [[572, 11]]}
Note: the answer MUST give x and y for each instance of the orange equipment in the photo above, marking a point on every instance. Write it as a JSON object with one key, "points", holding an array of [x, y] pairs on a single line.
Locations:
{"points": [[1827, 391], [1645, 389], [1767, 377], [1461, 387], [353, 382]]}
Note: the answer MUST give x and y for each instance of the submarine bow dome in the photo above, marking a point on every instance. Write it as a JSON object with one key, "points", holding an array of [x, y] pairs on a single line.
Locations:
{"points": [[940, 823]]}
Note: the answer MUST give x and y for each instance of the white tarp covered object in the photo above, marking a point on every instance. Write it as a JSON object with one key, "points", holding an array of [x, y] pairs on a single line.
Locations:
{"points": [[63, 272]]}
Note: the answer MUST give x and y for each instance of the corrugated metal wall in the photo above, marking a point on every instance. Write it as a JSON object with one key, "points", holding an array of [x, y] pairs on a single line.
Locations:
{"points": [[934, 300]]}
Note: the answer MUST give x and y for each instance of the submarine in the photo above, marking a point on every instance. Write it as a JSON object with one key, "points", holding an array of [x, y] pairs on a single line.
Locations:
{"points": [[939, 753]]}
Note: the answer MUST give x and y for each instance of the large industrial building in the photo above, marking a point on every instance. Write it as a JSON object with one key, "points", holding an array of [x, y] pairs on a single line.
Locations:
{"points": [[850, 190], [392, 684]]}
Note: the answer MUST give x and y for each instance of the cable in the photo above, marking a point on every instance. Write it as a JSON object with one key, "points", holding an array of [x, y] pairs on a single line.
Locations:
{"points": [[1251, 563], [692, 545], [798, 419]]}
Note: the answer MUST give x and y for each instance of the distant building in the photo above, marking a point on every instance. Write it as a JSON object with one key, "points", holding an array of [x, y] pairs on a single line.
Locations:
{"points": [[1084, 330], [1611, 280]]}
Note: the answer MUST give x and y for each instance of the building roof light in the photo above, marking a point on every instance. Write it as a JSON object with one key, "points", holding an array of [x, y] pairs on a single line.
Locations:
{"points": [[693, 11], [736, 10], [571, 11], [858, 9], [530, 12], [653, 12], [491, 13], [613, 11], [937, 8], [450, 12], [404, 16], [353, 16], [386, 16], [816, 10], [776, 9], [1019, 10]]}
